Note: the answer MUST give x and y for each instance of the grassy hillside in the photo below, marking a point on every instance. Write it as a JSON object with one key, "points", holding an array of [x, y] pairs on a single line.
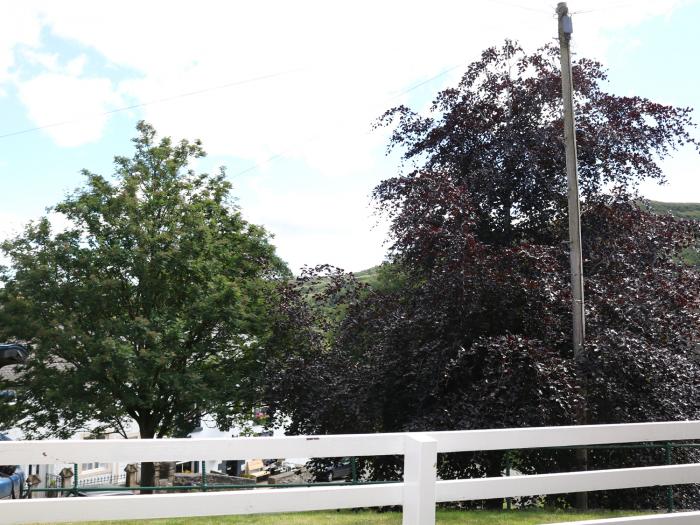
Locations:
{"points": [[682, 210], [368, 276]]}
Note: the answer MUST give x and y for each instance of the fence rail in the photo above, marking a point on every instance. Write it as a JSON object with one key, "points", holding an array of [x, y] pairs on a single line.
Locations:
{"points": [[418, 493]]}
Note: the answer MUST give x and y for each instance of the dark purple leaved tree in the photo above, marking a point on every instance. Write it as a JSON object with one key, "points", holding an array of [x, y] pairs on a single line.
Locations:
{"points": [[469, 324]]}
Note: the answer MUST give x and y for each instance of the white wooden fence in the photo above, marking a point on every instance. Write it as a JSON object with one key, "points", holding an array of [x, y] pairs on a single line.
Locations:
{"points": [[418, 493]]}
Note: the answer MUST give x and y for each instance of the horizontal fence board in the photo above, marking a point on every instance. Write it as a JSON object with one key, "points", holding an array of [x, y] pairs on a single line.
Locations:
{"points": [[541, 437], [135, 450], [683, 518], [63, 510], [79, 451], [562, 483]]}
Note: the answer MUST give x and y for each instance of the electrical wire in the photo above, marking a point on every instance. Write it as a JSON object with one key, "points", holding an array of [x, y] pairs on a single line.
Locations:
{"points": [[151, 102], [238, 83], [228, 85], [282, 154]]}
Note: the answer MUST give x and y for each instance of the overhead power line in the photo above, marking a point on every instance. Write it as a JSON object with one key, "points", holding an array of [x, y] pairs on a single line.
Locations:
{"points": [[427, 81], [413, 87], [152, 102], [238, 83]]}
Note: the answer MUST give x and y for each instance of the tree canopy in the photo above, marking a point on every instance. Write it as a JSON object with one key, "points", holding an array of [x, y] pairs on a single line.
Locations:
{"points": [[499, 134], [149, 306], [470, 326]]}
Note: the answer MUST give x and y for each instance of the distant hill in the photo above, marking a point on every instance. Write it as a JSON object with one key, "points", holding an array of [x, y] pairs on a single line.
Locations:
{"points": [[368, 276], [682, 210]]}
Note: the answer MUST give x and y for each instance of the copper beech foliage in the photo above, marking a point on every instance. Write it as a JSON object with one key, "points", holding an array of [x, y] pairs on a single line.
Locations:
{"points": [[469, 325], [499, 135]]}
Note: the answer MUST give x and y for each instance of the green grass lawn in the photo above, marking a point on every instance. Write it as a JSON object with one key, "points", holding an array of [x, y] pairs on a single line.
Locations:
{"points": [[444, 517]]}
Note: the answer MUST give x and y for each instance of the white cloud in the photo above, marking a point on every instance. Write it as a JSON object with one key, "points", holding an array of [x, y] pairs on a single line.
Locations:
{"points": [[685, 183], [331, 225], [54, 97], [75, 66], [353, 56], [11, 225], [49, 61], [19, 25], [60, 93]]}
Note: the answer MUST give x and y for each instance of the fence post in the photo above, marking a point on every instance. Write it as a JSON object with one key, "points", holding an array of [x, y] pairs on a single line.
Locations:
{"points": [[419, 476], [509, 463]]}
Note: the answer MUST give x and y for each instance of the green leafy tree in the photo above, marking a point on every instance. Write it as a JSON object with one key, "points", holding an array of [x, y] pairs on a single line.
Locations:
{"points": [[150, 307]]}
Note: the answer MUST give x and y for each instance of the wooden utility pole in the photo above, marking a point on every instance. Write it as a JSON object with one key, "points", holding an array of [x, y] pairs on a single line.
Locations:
{"points": [[572, 178], [576, 259]]}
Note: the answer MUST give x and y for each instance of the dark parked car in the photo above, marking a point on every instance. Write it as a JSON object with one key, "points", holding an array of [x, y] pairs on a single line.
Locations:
{"points": [[338, 470], [11, 354], [12, 478]]}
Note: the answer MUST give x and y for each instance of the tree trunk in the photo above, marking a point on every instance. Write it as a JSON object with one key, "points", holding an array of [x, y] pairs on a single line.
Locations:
{"points": [[148, 471], [494, 470]]}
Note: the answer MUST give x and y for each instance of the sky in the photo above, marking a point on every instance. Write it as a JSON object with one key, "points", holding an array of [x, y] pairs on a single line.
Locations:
{"points": [[284, 95]]}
